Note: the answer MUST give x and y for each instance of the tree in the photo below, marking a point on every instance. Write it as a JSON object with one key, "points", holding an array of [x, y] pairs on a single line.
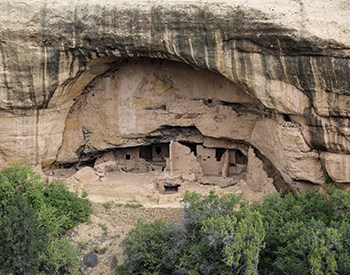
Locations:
{"points": [[32, 223], [218, 236], [306, 235], [309, 234], [148, 248]]}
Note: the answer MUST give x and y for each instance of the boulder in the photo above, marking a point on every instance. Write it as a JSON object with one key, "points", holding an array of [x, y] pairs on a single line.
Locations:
{"points": [[86, 174], [337, 167], [90, 259]]}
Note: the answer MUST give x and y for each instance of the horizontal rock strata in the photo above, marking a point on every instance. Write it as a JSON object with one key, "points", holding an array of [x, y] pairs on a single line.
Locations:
{"points": [[286, 59]]}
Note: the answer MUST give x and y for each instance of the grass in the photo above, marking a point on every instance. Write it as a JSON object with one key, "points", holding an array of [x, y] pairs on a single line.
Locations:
{"points": [[133, 204], [104, 228], [129, 204], [108, 205], [100, 249]]}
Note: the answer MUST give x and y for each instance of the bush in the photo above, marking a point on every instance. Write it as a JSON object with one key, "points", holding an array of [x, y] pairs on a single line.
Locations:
{"points": [[215, 238], [147, 249], [306, 235], [219, 238], [32, 220], [70, 208], [222, 235]]}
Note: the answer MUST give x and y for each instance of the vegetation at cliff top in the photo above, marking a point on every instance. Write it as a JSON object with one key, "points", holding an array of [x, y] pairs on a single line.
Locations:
{"points": [[224, 235], [33, 220]]}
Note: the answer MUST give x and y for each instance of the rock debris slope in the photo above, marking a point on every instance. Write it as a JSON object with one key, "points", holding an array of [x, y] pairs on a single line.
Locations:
{"points": [[78, 76]]}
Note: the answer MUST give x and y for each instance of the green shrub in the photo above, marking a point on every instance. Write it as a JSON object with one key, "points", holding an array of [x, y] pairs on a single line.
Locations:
{"points": [[146, 248], [306, 235], [222, 235], [70, 208], [215, 238], [32, 220], [133, 204]]}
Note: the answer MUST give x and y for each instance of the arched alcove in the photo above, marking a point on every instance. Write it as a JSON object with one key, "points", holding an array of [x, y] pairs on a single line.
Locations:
{"points": [[145, 102], [56, 49]]}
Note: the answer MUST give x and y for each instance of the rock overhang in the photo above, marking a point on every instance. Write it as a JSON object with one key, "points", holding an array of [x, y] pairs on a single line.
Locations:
{"points": [[287, 55]]}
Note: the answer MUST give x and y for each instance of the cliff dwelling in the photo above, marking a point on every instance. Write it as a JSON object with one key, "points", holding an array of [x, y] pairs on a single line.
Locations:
{"points": [[140, 101], [180, 158], [88, 78], [164, 118], [172, 157]]}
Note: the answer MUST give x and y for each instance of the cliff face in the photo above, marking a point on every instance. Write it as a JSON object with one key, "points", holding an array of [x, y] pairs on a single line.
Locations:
{"points": [[286, 64]]}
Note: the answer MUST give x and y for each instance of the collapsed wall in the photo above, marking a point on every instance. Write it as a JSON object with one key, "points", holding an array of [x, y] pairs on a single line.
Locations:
{"points": [[68, 92]]}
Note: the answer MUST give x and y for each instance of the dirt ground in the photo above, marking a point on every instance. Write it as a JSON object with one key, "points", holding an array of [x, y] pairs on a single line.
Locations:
{"points": [[108, 227], [119, 200]]}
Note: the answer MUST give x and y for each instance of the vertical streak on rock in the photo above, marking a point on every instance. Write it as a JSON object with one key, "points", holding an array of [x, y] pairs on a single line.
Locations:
{"points": [[74, 28], [234, 61], [71, 67], [52, 66], [316, 129], [36, 138], [3, 65], [306, 75], [192, 51], [43, 73]]}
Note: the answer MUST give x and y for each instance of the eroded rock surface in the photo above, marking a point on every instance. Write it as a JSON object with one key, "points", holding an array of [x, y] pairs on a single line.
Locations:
{"points": [[266, 74]]}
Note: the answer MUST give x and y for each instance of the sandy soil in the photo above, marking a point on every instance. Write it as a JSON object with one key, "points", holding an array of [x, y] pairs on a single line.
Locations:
{"points": [[108, 227]]}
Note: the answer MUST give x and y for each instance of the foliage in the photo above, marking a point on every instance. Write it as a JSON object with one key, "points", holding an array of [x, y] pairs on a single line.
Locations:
{"points": [[215, 238], [146, 248], [133, 204], [223, 235], [70, 208], [220, 239], [108, 205], [306, 235], [32, 219]]}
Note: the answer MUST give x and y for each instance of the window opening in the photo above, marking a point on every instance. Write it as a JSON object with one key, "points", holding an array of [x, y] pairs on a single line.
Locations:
{"points": [[240, 158], [191, 145], [146, 152], [171, 188], [219, 152]]}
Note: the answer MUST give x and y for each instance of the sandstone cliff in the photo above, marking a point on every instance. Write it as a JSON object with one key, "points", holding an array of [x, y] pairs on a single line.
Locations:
{"points": [[71, 79]]}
